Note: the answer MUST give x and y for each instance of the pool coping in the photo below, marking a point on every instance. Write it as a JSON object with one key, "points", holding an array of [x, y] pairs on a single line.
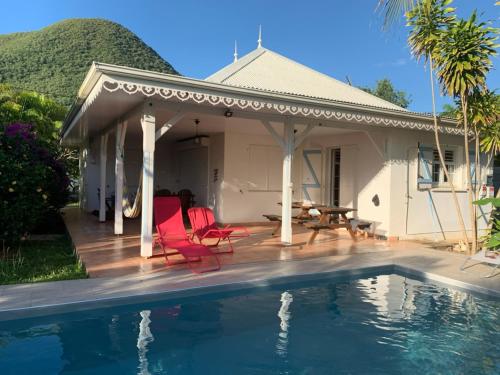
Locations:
{"points": [[196, 287]]}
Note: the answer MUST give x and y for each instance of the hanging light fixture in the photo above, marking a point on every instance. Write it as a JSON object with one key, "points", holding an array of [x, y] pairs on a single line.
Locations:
{"points": [[197, 138]]}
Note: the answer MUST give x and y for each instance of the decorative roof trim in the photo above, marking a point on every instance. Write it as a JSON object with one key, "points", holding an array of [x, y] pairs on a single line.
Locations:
{"points": [[319, 112]]}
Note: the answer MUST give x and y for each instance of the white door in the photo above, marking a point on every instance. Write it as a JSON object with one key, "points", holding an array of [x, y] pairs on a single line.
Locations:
{"points": [[311, 175]]}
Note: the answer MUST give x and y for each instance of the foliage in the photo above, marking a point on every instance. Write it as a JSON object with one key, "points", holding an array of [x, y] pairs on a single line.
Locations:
{"points": [[428, 20], [38, 261], [384, 89], [29, 107], [449, 110], [484, 115], [392, 9], [463, 60], [54, 60], [464, 56], [492, 238], [32, 181], [46, 115]]}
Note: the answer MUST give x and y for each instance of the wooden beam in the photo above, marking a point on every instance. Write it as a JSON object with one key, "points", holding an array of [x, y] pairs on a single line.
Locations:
{"points": [[169, 124], [303, 135], [377, 147], [148, 153], [273, 133]]}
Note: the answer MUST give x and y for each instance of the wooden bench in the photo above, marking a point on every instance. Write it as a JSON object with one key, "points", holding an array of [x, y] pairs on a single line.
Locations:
{"points": [[277, 219], [317, 227]]}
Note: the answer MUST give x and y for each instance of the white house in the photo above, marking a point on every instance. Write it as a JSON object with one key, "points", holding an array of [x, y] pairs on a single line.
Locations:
{"points": [[262, 130]]}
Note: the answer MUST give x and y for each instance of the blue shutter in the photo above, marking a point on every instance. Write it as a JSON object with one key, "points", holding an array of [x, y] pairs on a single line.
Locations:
{"points": [[425, 155]]}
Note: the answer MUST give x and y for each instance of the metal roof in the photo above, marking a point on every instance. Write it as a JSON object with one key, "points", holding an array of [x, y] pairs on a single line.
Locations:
{"points": [[266, 70]]}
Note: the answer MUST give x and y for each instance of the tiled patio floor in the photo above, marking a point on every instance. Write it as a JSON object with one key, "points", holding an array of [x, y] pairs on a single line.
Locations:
{"points": [[121, 276], [108, 255]]}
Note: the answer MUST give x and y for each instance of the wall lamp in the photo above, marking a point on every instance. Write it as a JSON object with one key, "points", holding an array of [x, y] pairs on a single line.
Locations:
{"points": [[228, 113]]}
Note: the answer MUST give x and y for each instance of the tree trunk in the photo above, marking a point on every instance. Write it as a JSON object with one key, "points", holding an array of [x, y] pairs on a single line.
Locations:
{"points": [[441, 160], [470, 188]]}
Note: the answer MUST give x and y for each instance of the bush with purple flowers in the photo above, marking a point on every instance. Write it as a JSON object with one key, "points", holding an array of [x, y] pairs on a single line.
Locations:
{"points": [[32, 181]]}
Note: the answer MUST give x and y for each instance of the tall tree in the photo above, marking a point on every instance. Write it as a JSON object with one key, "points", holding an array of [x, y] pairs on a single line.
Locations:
{"points": [[384, 89], [429, 20], [464, 59]]}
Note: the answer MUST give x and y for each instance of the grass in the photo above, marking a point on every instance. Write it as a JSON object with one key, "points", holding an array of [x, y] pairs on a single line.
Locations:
{"points": [[41, 260]]}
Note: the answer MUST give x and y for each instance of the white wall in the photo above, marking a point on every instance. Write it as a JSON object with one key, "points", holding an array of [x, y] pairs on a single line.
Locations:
{"points": [[216, 175], [239, 201], [424, 213], [364, 175]]}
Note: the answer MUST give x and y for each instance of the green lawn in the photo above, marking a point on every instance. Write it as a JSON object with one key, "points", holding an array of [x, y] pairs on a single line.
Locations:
{"points": [[41, 260]]}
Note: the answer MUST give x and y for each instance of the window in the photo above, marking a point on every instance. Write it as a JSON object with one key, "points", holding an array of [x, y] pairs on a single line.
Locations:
{"points": [[438, 175], [430, 170]]}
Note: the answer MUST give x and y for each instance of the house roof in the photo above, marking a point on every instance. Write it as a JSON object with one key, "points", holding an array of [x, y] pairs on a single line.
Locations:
{"points": [[267, 70]]}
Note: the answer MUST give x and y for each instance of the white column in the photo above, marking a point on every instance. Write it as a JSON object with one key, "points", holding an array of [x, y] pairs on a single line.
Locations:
{"points": [[102, 164], [286, 209], [81, 180], [121, 130], [148, 152]]}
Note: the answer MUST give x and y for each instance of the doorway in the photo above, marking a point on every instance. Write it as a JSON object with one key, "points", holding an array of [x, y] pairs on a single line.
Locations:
{"points": [[193, 173], [335, 177]]}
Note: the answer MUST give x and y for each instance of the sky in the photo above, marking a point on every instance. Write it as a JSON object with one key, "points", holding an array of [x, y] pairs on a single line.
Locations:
{"points": [[337, 37]]}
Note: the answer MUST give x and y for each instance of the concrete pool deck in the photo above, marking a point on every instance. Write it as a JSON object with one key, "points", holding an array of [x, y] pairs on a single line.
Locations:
{"points": [[27, 300]]}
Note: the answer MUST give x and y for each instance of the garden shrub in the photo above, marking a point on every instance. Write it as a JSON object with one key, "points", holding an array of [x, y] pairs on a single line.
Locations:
{"points": [[32, 181]]}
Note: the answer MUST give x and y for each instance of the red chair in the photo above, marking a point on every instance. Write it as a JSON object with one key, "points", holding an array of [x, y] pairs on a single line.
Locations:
{"points": [[203, 223], [172, 235]]}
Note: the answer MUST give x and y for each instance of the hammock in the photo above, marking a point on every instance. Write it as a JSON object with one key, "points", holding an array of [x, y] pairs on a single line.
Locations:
{"points": [[132, 210]]}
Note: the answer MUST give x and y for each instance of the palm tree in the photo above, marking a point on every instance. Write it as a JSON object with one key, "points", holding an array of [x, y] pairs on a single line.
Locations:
{"points": [[463, 60], [393, 9], [484, 119], [429, 20]]}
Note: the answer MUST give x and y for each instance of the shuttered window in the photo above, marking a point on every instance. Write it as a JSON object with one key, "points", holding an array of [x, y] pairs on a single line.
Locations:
{"points": [[430, 170], [438, 175]]}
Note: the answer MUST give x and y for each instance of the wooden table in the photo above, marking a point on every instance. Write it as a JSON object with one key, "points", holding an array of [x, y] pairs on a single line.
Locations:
{"points": [[327, 214]]}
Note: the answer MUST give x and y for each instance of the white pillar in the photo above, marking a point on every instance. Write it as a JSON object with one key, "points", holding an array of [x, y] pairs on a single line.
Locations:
{"points": [[121, 130], [82, 162], [148, 152], [287, 196], [102, 164]]}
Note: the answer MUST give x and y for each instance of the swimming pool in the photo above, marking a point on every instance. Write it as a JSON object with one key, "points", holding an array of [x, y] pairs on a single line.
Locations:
{"points": [[386, 324]]}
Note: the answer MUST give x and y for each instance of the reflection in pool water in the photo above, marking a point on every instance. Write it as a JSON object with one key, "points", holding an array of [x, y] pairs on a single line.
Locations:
{"points": [[387, 324]]}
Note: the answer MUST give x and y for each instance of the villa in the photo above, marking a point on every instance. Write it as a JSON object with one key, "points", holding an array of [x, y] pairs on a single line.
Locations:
{"points": [[262, 130], [360, 279]]}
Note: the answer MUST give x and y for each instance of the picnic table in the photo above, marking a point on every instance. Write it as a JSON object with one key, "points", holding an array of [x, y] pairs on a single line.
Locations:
{"points": [[330, 218]]}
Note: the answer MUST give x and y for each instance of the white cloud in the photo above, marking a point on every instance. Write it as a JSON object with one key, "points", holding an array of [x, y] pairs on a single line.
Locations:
{"points": [[398, 62]]}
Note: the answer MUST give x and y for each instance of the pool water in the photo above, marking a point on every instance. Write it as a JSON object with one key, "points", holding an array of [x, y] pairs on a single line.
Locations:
{"points": [[388, 324]]}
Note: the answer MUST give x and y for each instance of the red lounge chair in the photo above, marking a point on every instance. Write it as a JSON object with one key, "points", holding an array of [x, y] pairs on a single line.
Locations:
{"points": [[203, 223], [172, 235]]}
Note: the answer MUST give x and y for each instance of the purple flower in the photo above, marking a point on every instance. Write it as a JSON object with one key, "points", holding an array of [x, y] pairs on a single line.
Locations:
{"points": [[25, 131]]}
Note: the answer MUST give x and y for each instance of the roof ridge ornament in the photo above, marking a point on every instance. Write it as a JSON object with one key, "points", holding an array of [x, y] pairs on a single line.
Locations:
{"points": [[235, 51], [259, 41]]}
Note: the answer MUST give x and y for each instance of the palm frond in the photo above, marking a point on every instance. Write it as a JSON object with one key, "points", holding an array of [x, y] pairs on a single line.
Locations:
{"points": [[394, 9]]}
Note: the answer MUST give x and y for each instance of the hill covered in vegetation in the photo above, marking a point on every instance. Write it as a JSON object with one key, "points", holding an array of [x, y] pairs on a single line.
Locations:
{"points": [[54, 60]]}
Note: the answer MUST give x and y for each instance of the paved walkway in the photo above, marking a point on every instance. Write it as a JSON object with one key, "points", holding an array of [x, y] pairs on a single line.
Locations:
{"points": [[44, 298]]}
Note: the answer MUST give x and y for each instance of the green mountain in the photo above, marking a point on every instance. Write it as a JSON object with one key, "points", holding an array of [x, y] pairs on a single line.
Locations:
{"points": [[55, 59]]}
